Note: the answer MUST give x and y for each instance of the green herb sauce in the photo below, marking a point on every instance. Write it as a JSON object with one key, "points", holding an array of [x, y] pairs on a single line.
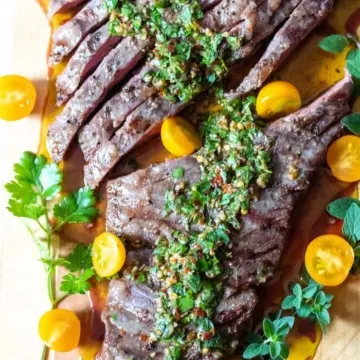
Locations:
{"points": [[188, 265], [188, 58]]}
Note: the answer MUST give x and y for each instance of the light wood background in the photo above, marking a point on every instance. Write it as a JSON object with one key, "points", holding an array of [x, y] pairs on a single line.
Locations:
{"points": [[23, 39]]}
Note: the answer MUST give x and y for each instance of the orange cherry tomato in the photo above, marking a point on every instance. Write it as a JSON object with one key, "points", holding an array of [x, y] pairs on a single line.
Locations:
{"points": [[179, 137], [328, 259], [17, 97], [60, 330], [108, 254], [276, 99], [343, 158]]}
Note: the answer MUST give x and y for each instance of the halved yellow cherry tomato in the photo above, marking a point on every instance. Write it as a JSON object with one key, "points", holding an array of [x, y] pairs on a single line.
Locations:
{"points": [[17, 97], [60, 330], [276, 99], [179, 137], [328, 259], [343, 157], [108, 254]]}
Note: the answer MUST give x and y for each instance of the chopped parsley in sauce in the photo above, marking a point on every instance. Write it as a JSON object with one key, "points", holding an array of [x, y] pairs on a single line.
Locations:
{"points": [[188, 266], [187, 58]]}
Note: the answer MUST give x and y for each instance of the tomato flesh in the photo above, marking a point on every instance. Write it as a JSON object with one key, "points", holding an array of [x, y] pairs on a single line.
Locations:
{"points": [[343, 158], [17, 97], [328, 259], [179, 137], [276, 99], [60, 330], [108, 254]]}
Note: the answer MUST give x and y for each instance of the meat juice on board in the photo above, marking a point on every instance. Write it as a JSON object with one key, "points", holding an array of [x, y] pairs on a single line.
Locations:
{"points": [[320, 72]]}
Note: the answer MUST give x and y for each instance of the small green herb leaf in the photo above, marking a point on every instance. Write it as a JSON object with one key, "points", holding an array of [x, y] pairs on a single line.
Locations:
{"points": [[353, 63], [77, 207], [352, 122], [252, 351], [268, 327], [334, 43], [72, 284], [339, 207], [178, 173], [79, 258], [185, 303], [351, 227]]}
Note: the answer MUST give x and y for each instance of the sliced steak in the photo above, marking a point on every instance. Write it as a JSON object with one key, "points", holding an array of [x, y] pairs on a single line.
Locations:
{"points": [[103, 126], [68, 36], [85, 59], [301, 22], [129, 320], [61, 6], [300, 141], [140, 126], [110, 72], [208, 4], [108, 154], [112, 115]]}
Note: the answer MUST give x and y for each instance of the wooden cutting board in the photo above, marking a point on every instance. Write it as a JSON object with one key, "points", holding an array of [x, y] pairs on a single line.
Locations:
{"points": [[24, 36]]}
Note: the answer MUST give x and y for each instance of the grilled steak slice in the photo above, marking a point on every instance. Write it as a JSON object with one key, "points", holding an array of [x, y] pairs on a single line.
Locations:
{"points": [[141, 125], [85, 59], [68, 36], [299, 141], [301, 22], [111, 71], [228, 13], [60, 6], [104, 124]]}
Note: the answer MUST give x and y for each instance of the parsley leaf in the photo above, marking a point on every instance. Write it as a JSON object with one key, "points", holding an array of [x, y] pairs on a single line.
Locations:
{"points": [[178, 173], [334, 43], [352, 122], [72, 284], [77, 207], [79, 258], [338, 208]]}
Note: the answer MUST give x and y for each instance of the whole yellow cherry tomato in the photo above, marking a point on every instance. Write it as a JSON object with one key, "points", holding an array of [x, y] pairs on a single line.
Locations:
{"points": [[179, 137], [276, 99], [108, 254], [343, 157], [17, 97], [60, 330], [328, 259]]}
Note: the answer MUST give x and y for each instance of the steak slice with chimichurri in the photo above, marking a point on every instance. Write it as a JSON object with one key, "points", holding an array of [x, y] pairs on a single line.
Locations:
{"points": [[67, 37], [300, 24], [135, 212]]}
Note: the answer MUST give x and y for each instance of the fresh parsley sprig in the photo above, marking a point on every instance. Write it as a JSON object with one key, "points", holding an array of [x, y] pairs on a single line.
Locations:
{"points": [[308, 302], [35, 194]]}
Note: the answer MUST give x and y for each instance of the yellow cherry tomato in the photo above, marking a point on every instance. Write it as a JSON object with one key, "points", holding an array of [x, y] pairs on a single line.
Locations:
{"points": [[343, 157], [17, 97], [179, 137], [276, 99], [60, 330], [108, 254], [328, 259]]}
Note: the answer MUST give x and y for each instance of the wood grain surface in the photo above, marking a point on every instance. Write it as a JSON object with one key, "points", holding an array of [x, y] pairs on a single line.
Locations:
{"points": [[24, 35]]}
